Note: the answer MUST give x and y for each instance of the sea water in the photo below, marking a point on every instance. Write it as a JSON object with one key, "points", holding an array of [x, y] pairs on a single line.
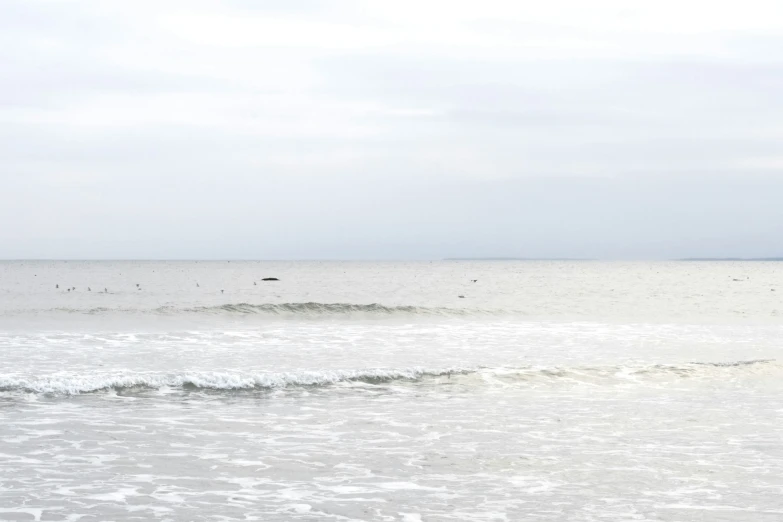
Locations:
{"points": [[427, 391]]}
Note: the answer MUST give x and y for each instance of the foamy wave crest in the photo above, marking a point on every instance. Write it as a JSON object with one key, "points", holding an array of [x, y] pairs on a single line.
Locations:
{"points": [[66, 383], [620, 374]]}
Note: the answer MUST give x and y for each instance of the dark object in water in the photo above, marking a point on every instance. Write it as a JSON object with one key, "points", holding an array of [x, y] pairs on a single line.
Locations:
{"points": [[473, 280], [57, 286], [254, 283], [461, 296], [270, 279], [89, 289], [105, 291], [221, 291]]}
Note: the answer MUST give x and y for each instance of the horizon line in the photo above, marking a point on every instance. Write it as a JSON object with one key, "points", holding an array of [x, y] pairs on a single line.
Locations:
{"points": [[378, 260]]}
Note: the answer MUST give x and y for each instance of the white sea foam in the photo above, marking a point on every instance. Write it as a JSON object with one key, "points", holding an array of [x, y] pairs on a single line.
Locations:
{"points": [[69, 383]]}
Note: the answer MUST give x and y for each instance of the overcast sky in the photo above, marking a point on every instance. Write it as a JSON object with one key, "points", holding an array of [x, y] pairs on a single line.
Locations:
{"points": [[390, 130]]}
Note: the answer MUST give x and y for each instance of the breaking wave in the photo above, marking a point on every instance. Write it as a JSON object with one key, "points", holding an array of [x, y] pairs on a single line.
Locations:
{"points": [[68, 383]]}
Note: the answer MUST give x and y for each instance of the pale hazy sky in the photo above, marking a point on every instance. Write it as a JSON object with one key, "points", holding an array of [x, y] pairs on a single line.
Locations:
{"points": [[407, 129]]}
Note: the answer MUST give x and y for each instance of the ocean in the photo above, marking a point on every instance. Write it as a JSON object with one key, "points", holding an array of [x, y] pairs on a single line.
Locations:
{"points": [[391, 391]]}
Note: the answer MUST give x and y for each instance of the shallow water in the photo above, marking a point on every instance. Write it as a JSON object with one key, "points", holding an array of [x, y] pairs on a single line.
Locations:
{"points": [[372, 391]]}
